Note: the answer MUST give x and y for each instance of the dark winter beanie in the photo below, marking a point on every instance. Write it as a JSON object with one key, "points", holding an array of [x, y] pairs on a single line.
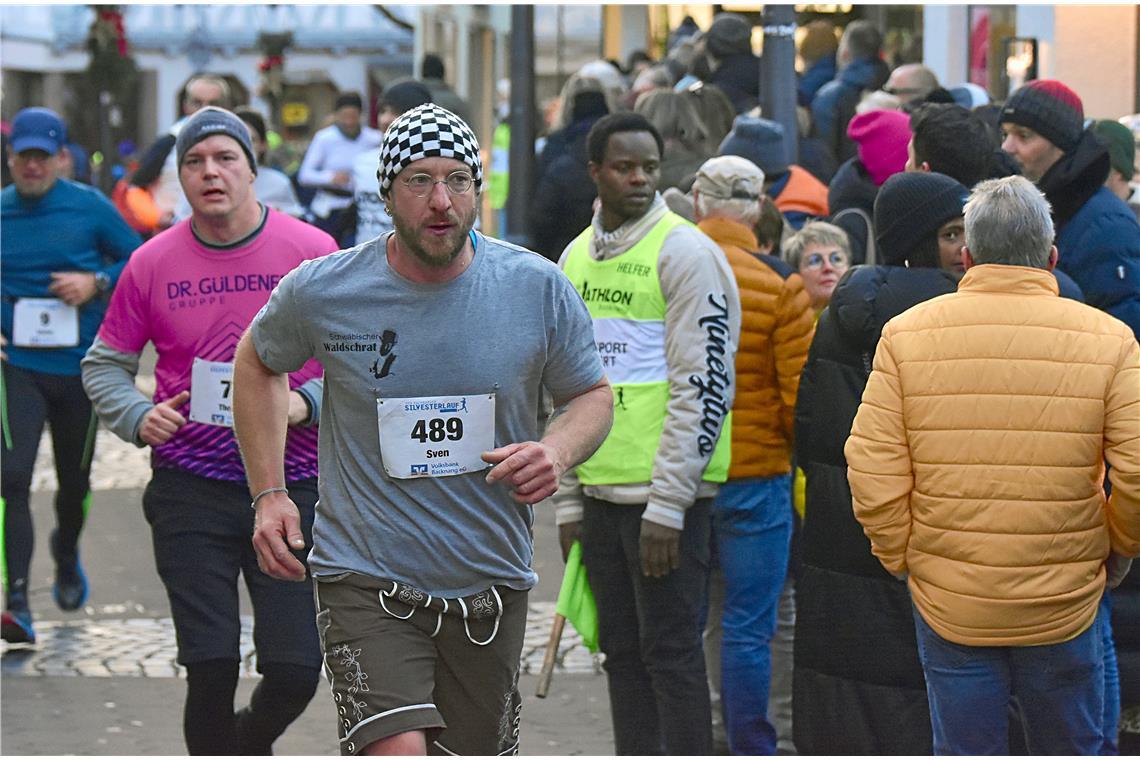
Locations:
{"points": [[210, 121], [405, 95], [729, 34], [761, 141], [910, 208], [1050, 109], [587, 104]]}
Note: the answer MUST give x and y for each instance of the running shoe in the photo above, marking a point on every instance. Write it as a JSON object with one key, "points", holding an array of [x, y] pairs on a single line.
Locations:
{"points": [[70, 588], [16, 627]]}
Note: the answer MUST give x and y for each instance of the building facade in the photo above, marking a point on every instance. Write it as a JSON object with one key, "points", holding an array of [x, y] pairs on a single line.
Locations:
{"points": [[43, 53]]}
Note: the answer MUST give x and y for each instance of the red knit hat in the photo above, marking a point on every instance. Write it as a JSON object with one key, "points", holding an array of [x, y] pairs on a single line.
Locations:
{"points": [[882, 137], [1050, 109]]}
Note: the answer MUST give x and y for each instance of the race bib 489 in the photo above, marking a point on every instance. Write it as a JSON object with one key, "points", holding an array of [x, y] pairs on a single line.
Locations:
{"points": [[435, 436]]}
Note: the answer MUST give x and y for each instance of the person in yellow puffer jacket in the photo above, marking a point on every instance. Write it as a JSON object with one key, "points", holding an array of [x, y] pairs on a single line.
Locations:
{"points": [[976, 465]]}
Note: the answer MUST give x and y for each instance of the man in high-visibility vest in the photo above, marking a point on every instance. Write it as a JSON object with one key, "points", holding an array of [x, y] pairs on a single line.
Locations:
{"points": [[666, 314]]}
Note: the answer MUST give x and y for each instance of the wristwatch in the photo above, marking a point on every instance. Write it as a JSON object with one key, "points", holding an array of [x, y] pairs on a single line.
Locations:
{"points": [[102, 282]]}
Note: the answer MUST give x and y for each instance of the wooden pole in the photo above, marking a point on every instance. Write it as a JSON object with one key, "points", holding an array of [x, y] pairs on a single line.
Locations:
{"points": [[547, 671]]}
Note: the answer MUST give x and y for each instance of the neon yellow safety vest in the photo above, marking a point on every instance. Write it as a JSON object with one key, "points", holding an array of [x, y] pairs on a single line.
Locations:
{"points": [[625, 300], [500, 159]]}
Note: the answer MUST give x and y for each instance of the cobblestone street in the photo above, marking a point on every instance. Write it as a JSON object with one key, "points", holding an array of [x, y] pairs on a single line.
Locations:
{"points": [[137, 646], [124, 636], [145, 647]]}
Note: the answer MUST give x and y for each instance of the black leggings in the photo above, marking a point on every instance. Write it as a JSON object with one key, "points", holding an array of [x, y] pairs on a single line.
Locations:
{"points": [[209, 723], [29, 399]]}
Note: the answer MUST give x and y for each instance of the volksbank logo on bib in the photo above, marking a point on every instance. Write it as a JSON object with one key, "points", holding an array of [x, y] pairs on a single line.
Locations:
{"points": [[436, 469]]}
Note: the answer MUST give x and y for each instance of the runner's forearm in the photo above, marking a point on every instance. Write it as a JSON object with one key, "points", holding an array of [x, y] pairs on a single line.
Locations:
{"points": [[582, 423], [109, 381], [261, 413]]}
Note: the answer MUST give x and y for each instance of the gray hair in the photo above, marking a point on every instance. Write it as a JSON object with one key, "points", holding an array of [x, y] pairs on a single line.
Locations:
{"points": [[861, 39], [743, 210], [815, 233], [211, 79], [573, 87], [1008, 222]]}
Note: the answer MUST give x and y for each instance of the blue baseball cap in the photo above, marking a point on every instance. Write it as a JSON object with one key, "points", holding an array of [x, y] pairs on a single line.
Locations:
{"points": [[38, 129]]}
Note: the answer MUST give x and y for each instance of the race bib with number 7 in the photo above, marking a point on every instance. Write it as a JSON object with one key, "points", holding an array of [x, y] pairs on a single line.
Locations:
{"points": [[435, 436], [211, 393]]}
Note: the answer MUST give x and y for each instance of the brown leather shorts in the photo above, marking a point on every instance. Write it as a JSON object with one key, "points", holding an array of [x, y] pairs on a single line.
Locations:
{"points": [[400, 660]]}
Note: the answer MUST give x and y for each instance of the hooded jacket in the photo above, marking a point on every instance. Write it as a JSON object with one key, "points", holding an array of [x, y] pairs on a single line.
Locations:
{"points": [[1098, 238], [858, 686], [976, 460], [775, 332], [690, 268], [834, 104], [563, 200]]}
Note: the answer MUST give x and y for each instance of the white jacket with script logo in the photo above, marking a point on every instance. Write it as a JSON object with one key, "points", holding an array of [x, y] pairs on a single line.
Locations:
{"points": [[691, 268]]}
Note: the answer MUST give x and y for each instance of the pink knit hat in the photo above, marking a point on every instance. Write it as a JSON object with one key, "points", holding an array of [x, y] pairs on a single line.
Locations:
{"points": [[882, 137]]}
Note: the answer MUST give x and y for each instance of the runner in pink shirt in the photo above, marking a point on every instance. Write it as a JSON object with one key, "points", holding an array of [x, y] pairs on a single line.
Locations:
{"points": [[192, 291]]}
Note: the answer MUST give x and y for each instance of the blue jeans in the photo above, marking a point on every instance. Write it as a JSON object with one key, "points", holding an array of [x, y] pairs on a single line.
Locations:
{"points": [[1111, 679], [1059, 687], [752, 531], [649, 630]]}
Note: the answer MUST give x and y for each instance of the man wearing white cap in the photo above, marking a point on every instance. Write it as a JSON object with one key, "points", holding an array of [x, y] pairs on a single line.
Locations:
{"points": [[752, 513]]}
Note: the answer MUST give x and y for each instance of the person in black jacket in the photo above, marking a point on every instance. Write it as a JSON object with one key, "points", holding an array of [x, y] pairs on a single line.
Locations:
{"points": [[731, 64], [858, 687], [563, 201]]}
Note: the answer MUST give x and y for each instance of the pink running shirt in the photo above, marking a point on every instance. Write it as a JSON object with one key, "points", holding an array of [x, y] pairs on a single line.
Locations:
{"points": [[194, 300]]}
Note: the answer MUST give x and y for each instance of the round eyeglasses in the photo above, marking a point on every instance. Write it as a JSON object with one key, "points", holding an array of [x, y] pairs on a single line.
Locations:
{"points": [[835, 258], [457, 183]]}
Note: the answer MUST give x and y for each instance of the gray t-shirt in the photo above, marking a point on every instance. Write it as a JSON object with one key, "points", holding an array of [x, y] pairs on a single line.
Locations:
{"points": [[508, 325]]}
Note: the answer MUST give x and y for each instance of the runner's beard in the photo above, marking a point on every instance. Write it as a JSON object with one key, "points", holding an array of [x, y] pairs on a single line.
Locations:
{"points": [[437, 253]]}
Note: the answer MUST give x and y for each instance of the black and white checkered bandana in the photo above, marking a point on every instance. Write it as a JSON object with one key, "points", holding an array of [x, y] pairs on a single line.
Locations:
{"points": [[427, 131]]}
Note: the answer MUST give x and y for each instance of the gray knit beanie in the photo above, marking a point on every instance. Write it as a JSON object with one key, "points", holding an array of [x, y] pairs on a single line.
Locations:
{"points": [[210, 121]]}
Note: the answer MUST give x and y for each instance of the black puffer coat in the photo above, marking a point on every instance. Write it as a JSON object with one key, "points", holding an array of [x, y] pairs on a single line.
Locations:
{"points": [[858, 686]]}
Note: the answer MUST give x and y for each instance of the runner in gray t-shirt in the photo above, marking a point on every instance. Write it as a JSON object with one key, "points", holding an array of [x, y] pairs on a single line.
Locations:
{"points": [[436, 344]]}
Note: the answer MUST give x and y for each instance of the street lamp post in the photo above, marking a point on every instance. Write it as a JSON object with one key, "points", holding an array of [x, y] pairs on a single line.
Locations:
{"points": [[778, 73], [521, 166]]}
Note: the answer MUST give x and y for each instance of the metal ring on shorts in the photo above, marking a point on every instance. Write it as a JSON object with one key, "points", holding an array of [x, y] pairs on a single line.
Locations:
{"points": [[439, 618], [438, 624], [383, 594], [498, 617]]}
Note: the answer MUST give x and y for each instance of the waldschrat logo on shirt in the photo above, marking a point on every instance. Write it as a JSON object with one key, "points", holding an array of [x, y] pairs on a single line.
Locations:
{"points": [[383, 364]]}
